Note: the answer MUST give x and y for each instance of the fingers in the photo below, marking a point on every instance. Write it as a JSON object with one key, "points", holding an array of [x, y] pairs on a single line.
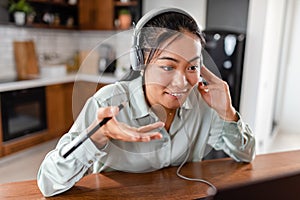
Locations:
{"points": [[144, 133], [209, 76], [203, 88], [121, 131], [216, 84], [217, 96], [147, 137], [150, 127], [208, 88]]}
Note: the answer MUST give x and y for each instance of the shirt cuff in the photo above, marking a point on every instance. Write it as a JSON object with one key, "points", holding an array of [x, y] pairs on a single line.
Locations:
{"points": [[88, 153], [238, 127]]}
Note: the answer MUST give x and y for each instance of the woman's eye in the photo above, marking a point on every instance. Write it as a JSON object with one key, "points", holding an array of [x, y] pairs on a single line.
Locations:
{"points": [[193, 68], [167, 68]]}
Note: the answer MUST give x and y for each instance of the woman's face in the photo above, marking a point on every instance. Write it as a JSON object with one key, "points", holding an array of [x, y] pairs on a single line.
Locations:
{"points": [[171, 75]]}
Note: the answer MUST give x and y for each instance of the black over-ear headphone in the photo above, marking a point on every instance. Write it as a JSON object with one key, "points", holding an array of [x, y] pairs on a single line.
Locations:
{"points": [[136, 54]]}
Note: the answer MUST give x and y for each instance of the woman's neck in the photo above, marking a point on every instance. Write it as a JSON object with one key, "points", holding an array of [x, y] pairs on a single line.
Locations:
{"points": [[164, 114]]}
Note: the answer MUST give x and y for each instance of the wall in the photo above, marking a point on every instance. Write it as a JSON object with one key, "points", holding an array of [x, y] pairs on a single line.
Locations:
{"points": [[62, 42], [262, 61], [289, 106], [49, 41], [3, 11], [227, 15], [196, 8]]}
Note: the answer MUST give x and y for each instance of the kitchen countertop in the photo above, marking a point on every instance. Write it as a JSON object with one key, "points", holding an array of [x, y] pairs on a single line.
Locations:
{"points": [[44, 81]]}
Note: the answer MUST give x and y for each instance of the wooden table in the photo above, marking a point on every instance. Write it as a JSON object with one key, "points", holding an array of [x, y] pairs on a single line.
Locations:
{"points": [[269, 176]]}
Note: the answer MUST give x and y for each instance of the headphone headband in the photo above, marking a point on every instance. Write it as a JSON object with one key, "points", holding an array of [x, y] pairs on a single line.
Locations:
{"points": [[151, 14]]}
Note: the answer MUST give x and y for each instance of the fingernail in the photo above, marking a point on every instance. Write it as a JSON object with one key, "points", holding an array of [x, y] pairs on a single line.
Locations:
{"points": [[162, 124], [160, 136], [146, 139]]}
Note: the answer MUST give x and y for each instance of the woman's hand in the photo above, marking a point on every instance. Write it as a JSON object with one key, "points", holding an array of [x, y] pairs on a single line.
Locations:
{"points": [[121, 131], [216, 94]]}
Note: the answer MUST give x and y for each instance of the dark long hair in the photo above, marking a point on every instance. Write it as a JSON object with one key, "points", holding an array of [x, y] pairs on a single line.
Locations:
{"points": [[157, 30]]}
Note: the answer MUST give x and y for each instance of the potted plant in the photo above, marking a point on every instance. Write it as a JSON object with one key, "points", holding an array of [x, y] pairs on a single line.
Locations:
{"points": [[124, 19], [20, 9]]}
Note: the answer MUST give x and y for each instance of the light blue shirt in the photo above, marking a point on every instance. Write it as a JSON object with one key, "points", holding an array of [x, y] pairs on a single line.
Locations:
{"points": [[195, 127]]}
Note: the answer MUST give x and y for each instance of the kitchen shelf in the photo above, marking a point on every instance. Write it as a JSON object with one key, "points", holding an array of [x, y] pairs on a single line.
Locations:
{"points": [[56, 14], [83, 15], [49, 2], [129, 3]]}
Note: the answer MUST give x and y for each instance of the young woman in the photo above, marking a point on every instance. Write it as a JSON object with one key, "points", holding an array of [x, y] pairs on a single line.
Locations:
{"points": [[170, 114]]}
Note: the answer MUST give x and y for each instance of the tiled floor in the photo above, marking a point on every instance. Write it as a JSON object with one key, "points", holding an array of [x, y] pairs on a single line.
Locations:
{"points": [[24, 165]]}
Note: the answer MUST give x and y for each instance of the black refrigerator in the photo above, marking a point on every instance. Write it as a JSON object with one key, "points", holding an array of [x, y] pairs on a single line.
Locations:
{"points": [[225, 50]]}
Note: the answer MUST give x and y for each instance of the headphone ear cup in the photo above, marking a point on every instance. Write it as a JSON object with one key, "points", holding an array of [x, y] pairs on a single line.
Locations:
{"points": [[136, 58]]}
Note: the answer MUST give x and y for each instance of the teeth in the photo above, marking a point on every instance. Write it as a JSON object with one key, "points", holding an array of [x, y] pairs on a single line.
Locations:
{"points": [[177, 94]]}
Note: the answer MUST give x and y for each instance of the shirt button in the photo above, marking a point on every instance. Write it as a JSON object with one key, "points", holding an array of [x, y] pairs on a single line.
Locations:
{"points": [[90, 162], [97, 154]]}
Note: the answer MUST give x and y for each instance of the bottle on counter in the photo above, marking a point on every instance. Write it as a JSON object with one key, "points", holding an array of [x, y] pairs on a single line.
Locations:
{"points": [[73, 63]]}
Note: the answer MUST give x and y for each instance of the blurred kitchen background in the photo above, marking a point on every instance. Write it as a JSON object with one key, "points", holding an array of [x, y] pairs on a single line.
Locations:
{"points": [[253, 43]]}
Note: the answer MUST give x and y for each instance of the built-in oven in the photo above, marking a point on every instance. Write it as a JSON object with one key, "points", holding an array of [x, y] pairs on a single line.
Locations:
{"points": [[23, 112]]}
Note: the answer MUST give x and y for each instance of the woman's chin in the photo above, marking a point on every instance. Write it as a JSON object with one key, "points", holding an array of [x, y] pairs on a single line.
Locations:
{"points": [[173, 102]]}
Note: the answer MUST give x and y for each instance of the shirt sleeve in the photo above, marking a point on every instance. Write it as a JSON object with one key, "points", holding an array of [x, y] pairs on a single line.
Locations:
{"points": [[57, 174], [234, 138]]}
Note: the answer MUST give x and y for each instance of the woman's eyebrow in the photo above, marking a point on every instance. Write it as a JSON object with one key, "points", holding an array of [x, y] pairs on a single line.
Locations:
{"points": [[168, 58], [175, 60], [197, 57]]}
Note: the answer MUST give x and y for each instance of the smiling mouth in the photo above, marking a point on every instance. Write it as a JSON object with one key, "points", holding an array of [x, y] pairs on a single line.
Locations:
{"points": [[177, 94]]}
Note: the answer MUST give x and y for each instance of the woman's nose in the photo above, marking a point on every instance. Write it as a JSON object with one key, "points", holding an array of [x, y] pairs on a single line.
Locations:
{"points": [[179, 80]]}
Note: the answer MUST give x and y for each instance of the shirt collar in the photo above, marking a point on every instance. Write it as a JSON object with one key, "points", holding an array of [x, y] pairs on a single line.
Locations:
{"points": [[137, 99], [138, 102]]}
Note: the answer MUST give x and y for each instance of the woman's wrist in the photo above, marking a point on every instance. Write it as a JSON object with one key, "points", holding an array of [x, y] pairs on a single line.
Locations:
{"points": [[98, 138], [100, 143], [230, 115]]}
